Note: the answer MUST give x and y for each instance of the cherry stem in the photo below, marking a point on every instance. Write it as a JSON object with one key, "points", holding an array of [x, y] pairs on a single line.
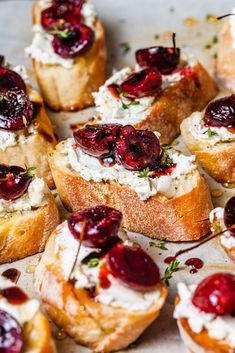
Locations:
{"points": [[174, 41], [2, 60], [221, 17]]}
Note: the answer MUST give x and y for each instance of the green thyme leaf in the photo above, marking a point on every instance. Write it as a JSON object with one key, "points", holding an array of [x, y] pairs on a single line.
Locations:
{"points": [[3, 99], [62, 33], [28, 172], [144, 173], [161, 244], [217, 228], [128, 105], [125, 46], [165, 147], [210, 133], [93, 262], [171, 268]]}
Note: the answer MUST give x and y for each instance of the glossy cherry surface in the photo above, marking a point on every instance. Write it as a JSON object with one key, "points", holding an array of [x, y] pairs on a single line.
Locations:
{"points": [[97, 140], [221, 112], [11, 336], [133, 267], [136, 149], [10, 80], [216, 294], [229, 214], [13, 182], [55, 16], [101, 226], [72, 2]]}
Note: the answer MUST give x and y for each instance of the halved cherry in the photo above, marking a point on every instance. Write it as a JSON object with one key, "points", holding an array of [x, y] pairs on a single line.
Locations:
{"points": [[14, 182], [97, 140], [101, 226], [216, 294], [11, 336], [55, 16], [10, 80], [221, 112], [133, 267], [142, 83], [16, 110], [229, 214], [72, 2], [136, 149]]}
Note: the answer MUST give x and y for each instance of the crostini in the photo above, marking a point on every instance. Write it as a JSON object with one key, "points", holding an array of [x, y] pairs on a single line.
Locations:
{"points": [[163, 89], [159, 190], [221, 219], [28, 213], [24, 329], [68, 52], [211, 137], [104, 293], [204, 314], [26, 134]]}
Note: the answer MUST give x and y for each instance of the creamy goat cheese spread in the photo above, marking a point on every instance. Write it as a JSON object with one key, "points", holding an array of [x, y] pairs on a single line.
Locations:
{"points": [[218, 327], [33, 198], [11, 138], [117, 295], [22, 313], [217, 217], [90, 168]]}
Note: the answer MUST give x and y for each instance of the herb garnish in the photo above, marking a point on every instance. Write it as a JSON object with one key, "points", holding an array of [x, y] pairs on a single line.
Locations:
{"points": [[3, 99], [145, 174], [171, 268], [28, 172], [210, 133], [93, 262], [166, 160], [128, 105], [217, 228], [125, 47], [161, 244], [62, 33]]}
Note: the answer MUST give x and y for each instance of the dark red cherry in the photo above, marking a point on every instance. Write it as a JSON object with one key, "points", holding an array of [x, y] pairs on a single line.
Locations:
{"points": [[10, 80], [14, 182], [16, 110], [229, 214], [97, 140], [11, 336], [136, 149], [58, 14], [78, 42], [101, 226], [132, 266], [72, 2], [142, 83], [216, 294], [221, 112]]}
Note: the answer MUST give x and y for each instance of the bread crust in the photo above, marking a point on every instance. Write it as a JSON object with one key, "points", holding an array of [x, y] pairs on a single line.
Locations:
{"points": [[25, 233], [184, 218], [102, 328], [229, 252], [219, 161], [70, 89]]}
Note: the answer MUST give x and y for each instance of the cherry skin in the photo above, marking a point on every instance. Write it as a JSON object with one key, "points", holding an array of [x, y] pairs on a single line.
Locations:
{"points": [[136, 149], [14, 182], [142, 83], [11, 336], [78, 3], [133, 267], [216, 294], [97, 140], [58, 14], [229, 214], [10, 80], [101, 226], [221, 112]]}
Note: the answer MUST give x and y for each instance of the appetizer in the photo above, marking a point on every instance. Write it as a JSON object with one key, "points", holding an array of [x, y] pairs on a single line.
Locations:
{"points": [[28, 213], [205, 314], [104, 293], [164, 88], [26, 134], [211, 137], [159, 190], [68, 52]]}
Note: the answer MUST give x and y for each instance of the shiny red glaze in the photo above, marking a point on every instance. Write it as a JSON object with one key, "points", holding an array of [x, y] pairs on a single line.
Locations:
{"points": [[160, 171], [76, 3], [221, 112], [136, 149], [194, 262], [12, 183], [101, 226], [169, 259], [142, 83], [97, 140], [133, 267], [55, 16], [11, 336], [229, 214], [164, 59], [14, 295], [12, 274], [103, 277], [10, 80], [216, 294], [113, 89]]}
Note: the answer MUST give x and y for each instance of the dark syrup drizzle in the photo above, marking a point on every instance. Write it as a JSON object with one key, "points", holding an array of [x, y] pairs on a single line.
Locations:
{"points": [[14, 295], [12, 274]]}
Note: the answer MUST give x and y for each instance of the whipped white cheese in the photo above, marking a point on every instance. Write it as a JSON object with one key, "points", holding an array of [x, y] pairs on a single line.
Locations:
{"points": [[116, 295], [199, 131], [22, 313], [33, 198], [218, 327], [13, 138], [217, 217], [21, 70], [90, 168]]}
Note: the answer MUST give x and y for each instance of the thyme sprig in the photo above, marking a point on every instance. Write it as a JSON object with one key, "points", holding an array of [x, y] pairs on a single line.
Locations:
{"points": [[93, 262], [161, 244], [28, 172], [171, 268], [210, 133], [62, 33], [3, 99]]}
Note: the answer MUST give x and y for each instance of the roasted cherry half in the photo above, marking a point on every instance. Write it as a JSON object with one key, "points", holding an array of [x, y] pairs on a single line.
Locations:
{"points": [[216, 294], [14, 182], [16, 110], [10, 80], [72, 2], [97, 140], [101, 226], [142, 83], [58, 14], [229, 214], [221, 112], [133, 267], [136, 149], [11, 336]]}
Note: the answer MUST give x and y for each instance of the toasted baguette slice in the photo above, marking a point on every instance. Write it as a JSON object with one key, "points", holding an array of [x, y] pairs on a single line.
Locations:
{"points": [[218, 160], [25, 233], [70, 89], [101, 327], [183, 218]]}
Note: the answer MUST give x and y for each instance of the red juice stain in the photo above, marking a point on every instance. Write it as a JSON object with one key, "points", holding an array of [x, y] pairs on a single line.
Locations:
{"points": [[12, 274], [103, 277], [169, 259], [14, 295]]}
